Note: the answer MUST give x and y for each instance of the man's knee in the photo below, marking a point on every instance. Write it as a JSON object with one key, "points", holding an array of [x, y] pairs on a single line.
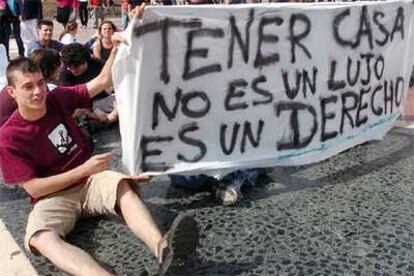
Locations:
{"points": [[42, 239], [126, 189]]}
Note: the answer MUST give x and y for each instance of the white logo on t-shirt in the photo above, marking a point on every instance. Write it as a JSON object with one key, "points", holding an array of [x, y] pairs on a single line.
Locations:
{"points": [[60, 138]]}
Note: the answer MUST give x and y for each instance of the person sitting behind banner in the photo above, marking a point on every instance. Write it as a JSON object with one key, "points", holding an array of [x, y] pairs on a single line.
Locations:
{"points": [[229, 189], [79, 67], [49, 61]]}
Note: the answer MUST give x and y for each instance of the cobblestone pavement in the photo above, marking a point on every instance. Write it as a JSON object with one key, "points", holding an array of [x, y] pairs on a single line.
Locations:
{"points": [[349, 215]]}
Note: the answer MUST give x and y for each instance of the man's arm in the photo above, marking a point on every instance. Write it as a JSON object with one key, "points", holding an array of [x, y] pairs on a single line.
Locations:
{"points": [[104, 80], [40, 187]]}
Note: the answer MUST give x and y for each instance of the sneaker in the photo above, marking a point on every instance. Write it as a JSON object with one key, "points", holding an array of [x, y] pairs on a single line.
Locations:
{"points": [[180, 242], [228, 196]]}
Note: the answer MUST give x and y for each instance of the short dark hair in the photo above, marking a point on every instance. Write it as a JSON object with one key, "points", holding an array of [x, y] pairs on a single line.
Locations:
{"points": [[20, 64], [44, 22], [74, 54], [47, 59]]}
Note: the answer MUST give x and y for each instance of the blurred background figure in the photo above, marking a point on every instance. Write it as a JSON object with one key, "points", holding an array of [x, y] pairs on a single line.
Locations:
{"points": [[49, 61], [4, 25], [11, 26], [30, 13], [103, 46], [83, 13], [68, 35], [124, 14], [132, 4], [66, 11], [98, 12]]}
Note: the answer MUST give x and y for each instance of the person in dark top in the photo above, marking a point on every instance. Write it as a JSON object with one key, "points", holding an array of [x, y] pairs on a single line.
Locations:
{"points": [[45, 33], [102, 48], [79, 67]]}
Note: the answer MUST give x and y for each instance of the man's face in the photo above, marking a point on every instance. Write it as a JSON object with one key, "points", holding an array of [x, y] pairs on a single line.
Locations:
{"points": [[78, 70], [45, 33], [29, 91]]}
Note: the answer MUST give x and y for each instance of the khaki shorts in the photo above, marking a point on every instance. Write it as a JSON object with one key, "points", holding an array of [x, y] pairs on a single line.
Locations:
{"points": [[60, 211]]}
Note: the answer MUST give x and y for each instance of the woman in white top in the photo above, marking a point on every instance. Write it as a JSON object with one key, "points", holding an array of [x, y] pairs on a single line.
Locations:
{"points": [[68, 36]]}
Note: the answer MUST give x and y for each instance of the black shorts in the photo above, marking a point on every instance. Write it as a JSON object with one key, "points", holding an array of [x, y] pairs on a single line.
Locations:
{"points": [[63, 14]]}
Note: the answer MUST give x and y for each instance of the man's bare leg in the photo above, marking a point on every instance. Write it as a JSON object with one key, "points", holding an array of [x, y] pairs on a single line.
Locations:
{"points": [[65, 256], [137, 217]]}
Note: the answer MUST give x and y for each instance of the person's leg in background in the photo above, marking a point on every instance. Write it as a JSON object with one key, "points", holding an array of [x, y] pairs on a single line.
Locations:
{"points": [[15, 24], [5, 33], [124, 19], [28, 31], [96, 16], [83, 13], [101, 13]]}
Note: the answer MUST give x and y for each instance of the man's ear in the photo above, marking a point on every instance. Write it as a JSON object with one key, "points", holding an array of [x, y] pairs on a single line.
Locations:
{"points": [[10, 90]]}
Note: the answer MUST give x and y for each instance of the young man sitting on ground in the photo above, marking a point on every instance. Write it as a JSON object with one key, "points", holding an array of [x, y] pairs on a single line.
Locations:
{"points": [[45, 33], [43, 150], [79, 67]]}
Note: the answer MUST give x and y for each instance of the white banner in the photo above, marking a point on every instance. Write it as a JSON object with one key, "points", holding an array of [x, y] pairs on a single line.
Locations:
{"points": [[201, 88]]}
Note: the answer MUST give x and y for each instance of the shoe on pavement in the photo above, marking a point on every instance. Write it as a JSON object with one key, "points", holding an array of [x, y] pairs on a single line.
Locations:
{"points": [[178, 243], [228, 196]]}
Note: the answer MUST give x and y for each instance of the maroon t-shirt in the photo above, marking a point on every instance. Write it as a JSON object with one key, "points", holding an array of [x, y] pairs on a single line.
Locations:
{"points": [[48, 146]]}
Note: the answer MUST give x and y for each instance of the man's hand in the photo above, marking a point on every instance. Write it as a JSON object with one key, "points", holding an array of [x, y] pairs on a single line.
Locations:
{"points": [[138, 11], [97, 163], [118, 38]]}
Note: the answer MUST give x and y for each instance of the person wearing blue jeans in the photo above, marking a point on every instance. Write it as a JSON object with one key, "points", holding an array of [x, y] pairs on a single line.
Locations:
{"points": [[15, 24], [228, 189], [5, 31]]}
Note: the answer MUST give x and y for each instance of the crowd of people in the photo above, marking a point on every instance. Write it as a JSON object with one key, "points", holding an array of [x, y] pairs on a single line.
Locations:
{"points": [[57, 92]]}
